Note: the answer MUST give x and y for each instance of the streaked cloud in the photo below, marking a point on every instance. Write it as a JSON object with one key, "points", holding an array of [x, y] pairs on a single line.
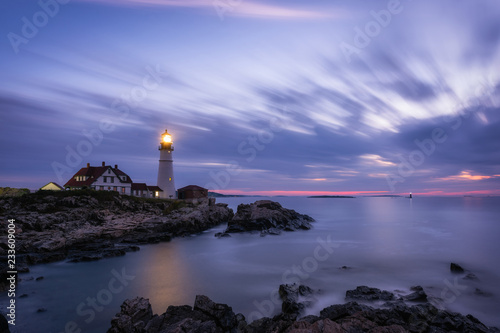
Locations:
{"points": [[466, 175], [243, 8]]}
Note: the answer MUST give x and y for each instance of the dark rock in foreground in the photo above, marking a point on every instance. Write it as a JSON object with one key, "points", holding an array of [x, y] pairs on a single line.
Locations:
{"points": [[4, 325], [268, 217], [295, 299], [207, 316]]}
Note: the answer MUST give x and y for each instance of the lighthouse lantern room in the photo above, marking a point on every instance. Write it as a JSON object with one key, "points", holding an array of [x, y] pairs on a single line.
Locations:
{"points": [[166, 168]]}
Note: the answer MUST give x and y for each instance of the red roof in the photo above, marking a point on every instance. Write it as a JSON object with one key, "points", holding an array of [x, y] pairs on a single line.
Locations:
{"points": [[139, 187], [192, 188], [93, 173], [155, 188]]}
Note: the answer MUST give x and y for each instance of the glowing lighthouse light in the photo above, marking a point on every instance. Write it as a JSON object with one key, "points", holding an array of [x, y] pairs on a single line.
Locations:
{"points": [[166, 168], [167, 138]]}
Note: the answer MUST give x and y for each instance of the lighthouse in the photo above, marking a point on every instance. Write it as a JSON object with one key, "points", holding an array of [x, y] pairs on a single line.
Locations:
{"points": [[166, 167]]}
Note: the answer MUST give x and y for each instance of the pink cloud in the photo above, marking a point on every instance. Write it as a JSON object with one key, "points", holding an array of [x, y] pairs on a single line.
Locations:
{"points": [[244, 8]]}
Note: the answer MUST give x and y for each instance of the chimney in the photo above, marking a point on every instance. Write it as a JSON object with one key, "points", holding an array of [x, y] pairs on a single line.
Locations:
{"points": [[116, 166], [103, 163], [88, 165]]}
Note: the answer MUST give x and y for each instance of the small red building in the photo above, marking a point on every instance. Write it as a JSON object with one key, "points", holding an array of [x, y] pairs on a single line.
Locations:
{"points": [[192, 192]]}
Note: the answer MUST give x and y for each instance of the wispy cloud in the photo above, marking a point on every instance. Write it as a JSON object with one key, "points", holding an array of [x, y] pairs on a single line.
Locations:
{"points": [[466, 175], [245, 8]]}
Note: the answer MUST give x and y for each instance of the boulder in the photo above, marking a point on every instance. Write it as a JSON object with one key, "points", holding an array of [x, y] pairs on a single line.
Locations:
{"points": [[268, 217], [222, 314], [206, 316], [294, 298], [456, 268], [133, 317], [418, 295], [364, 293]]}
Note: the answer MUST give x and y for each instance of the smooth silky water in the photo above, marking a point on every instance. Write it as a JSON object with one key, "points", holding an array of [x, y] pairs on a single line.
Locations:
{"points": [[388, 243]]}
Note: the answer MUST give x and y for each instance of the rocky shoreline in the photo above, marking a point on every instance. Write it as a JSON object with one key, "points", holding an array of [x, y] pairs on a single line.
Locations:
{"points": [[91, 225], [399, 313]]}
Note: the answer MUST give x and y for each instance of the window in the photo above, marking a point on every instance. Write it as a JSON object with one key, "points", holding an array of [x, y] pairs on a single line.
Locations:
{"points": [[105, 179], [112, 179], [115, 188], [109, 171], [123, 189], [101, 188]]}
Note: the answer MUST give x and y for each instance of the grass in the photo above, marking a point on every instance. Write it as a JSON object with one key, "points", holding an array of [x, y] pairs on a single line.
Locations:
{"points": [[13, 192], [174, 205]]}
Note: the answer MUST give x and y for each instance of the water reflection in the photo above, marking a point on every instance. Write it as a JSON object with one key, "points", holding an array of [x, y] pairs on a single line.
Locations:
{"points": [[166, 277]]}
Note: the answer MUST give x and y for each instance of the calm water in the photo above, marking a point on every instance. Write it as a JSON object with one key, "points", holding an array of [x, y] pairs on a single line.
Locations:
{"points": [[389, 243]]}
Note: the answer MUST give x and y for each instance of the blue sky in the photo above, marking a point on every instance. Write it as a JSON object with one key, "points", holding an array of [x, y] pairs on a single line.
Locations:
{"points": [[270, 97]]}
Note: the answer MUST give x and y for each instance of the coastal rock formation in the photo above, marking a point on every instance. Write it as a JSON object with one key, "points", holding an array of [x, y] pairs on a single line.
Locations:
{"points": [[364, 293], [456, 268], [295, 299], [208, 316], [268, 217], [90, 225]]}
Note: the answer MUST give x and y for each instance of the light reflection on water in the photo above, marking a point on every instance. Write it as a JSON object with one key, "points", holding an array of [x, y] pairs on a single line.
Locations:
{"points": [[390, 243]]}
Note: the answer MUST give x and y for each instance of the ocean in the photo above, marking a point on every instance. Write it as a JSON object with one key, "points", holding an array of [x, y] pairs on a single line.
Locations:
{"points": [[388, 243]]}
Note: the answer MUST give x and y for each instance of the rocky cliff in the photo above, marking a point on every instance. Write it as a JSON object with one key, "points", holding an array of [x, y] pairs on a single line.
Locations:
{"points": [[268, 217], [90, 225]]}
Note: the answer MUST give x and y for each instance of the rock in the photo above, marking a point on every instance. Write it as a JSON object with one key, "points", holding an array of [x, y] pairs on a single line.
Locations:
{"points": [[207, 316], [133, 317], [365, 293], [480, 292], [222, 235], [456, 268], [4, 325], [471, 276], [339, 311], [418, 295], [294, 298], [268, 217], [271, 231], [39, 278], [221, 313]]}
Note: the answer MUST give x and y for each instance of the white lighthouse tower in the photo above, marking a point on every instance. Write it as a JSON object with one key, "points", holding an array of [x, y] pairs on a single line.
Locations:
{"points": [[166, 167]]}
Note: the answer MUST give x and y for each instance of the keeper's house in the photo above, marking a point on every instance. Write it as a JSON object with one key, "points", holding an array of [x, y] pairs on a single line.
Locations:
{"points": [[107, 178]]}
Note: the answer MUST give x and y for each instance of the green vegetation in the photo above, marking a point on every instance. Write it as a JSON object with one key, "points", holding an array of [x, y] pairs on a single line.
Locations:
{"points": [[174, 205], [99, 195], [13, 192]]}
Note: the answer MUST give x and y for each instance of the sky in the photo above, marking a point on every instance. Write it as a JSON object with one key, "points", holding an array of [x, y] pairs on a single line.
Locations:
{"points": [[277, 97]]}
